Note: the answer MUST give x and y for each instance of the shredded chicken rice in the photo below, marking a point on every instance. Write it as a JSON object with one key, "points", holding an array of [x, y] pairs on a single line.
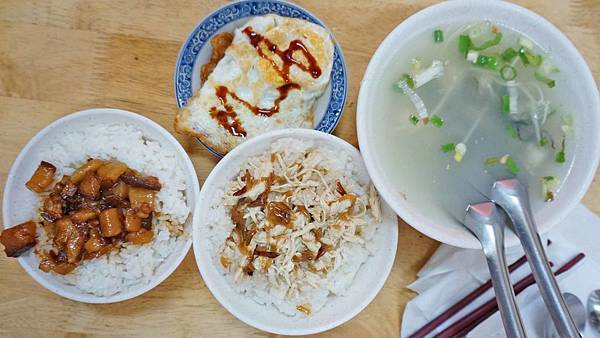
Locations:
{"points": [[297, 226]]}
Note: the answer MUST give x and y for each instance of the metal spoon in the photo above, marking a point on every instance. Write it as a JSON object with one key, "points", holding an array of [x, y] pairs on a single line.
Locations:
{"points": [[485, 222], [593, 309], [512, 196], [577, 312]]}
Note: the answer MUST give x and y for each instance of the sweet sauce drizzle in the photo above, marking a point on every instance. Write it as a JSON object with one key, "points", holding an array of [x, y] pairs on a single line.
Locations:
{"points": [[228, 118]]}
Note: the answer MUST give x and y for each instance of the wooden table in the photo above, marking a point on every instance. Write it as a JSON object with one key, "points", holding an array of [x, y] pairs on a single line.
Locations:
{"points": [[61, 56]]}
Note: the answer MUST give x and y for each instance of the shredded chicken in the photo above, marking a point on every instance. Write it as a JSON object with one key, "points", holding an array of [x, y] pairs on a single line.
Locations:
{"points": [[293, 214]]}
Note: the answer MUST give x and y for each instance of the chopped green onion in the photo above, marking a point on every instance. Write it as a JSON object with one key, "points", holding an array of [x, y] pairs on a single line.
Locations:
{"points": [[491, 160], [416, 63], [508, 161], [548, 67], [526, 43], [529, 58], [413, 119], [549, 82], [409, 80], [489, 43], [489, 62], [438, 36], [459, 151], [567, 119], [472, 56], [511, 165], [448, 147], [510, 129], [508, 73], [567, 126], [523, 57], [434, 71], [509, 54], [548, 183], [437, 121], [464, 44], [560, 156], [505, 103]]}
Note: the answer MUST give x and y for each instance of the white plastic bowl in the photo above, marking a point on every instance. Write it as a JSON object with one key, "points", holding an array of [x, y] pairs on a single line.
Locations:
{"points": [[18, 200], [369, 279], [579, 83]]}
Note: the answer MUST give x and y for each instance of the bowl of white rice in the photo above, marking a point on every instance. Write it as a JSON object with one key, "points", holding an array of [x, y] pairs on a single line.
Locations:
{"points": [[290, 236], [110, 134]]}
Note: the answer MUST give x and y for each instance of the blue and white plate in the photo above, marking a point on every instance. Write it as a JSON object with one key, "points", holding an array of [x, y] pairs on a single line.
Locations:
{"points": [[196, 51]]}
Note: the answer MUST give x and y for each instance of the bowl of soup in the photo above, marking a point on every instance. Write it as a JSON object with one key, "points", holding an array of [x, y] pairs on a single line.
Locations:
{"points": [[463, 93]]}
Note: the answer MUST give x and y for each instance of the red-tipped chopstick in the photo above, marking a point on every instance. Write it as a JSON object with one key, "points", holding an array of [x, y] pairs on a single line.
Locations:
{"points": [[465, 324], [454, 309]]}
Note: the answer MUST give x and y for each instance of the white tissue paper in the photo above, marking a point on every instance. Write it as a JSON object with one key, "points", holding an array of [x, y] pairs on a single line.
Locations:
{"points": [[452, 273]]}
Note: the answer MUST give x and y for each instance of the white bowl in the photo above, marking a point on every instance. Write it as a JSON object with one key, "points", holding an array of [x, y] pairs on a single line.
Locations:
{"points": [[19, 201], [339, 309], [578, 83]]}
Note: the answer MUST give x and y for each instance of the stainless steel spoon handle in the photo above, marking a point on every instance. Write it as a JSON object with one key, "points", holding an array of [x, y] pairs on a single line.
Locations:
{"points": [[593, 309], [485, 222], [512, 196]]}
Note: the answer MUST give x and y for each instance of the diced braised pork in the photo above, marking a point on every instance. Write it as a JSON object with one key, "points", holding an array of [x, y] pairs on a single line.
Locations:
{"points": [[90, 166], [75, 243], [142, 200], [62, 232], [139, 181], [116, 196], [53, 207], [147, 223], [110, 222], [133, 223], [110, 172], [18, 239], [142, 236], [95, 242], [42, 177], [69, 189], [90, 186], [83, 214], [49, 261]]}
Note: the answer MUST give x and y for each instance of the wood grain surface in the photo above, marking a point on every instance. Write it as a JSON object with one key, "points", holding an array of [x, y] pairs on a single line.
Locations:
{"points": [[61, 56]]}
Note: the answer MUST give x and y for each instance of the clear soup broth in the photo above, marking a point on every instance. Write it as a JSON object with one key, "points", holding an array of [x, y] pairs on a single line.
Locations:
{"points": [[475, 130]]}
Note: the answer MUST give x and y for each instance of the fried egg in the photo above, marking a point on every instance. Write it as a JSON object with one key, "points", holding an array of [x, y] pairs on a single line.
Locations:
{"points": [[269, 78]]}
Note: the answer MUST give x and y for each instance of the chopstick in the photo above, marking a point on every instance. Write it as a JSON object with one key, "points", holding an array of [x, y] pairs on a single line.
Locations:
{"points": [[465, 324], [454, 309]]}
